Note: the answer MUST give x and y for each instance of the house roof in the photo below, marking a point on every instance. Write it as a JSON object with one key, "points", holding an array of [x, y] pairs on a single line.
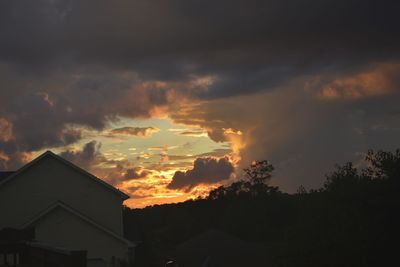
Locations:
{"points": [[8, 176], [69, 209], [4, 175]]}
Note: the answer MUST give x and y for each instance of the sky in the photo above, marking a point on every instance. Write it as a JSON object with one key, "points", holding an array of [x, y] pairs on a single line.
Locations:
{"points": [[167, 100]]}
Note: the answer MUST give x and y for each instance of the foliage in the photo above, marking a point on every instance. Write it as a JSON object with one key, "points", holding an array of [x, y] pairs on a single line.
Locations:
{"points": [[259, 172], [383, 164], [351, 221], [255, 183]]}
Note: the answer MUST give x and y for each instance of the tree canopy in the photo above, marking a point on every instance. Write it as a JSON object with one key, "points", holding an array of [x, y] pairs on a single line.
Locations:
{"points": [[350, 221]]}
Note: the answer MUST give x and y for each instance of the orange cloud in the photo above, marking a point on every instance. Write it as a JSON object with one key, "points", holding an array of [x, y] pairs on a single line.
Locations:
{"points": [[199, 133], [375, 81], [5, 130], [133, 131]]}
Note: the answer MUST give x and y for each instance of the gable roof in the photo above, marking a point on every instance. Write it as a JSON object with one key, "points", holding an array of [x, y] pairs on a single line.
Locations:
{"points": [[69, 209], [4, 175], [67, 163]]}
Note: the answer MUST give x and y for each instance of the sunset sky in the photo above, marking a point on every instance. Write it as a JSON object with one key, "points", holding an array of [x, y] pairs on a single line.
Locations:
{"points": [[167, 99]]}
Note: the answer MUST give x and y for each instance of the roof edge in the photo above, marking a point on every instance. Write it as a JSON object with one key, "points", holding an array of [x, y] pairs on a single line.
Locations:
{"points": [[66, 162], [79, 215]]}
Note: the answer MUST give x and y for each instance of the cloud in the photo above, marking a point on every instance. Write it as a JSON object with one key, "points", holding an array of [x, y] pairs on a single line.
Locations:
{"points": [[59, 117], [5, 130], [23, 117], [303, 135], [205, 171], [86, 158], [218, 153], [258, 75], [251, 46], [13, 161], [165, 157], [113, 171], [65, 79], [376, 80], [133, 131], [136, 173], [199, 133]]}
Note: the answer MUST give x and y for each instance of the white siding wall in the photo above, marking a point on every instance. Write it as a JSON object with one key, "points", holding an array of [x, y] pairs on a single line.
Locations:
{"points": [[64, 229], [50, 180]]}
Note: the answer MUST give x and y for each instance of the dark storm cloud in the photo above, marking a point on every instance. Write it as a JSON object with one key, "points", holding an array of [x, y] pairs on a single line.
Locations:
{"points": [[305, 133], [85, 158], [136, 173], [205, 171], [31, 122], [251, 45], [46, 112], [247, 45], [66, 65], [42, 133]]}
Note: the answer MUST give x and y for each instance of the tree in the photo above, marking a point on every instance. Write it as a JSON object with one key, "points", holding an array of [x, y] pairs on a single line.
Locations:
{"points": [[301, 190], [343, 178], [254, 183], [259, 172], [383, 165]]}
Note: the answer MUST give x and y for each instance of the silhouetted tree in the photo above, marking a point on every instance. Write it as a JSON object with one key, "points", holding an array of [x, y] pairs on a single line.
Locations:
{"points": [[382, 164], [254, 183], [342, 178], [301, 190], [259, 172], [351, 221]]}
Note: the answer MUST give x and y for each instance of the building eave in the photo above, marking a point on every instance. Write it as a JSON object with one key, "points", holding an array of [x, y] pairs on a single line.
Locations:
{"points": [[66, 207]]}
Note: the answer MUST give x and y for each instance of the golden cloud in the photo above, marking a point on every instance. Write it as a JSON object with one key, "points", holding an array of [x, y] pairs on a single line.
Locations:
{"points": [[5, 130], [378, 80], [133, 131]]}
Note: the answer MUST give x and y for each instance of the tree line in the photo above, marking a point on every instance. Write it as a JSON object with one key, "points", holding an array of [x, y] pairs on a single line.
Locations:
{"points": [[352, 220]]}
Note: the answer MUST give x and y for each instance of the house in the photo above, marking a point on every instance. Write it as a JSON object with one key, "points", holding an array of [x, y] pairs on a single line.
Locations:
{"points": [[68, 207], [19, 248]]}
